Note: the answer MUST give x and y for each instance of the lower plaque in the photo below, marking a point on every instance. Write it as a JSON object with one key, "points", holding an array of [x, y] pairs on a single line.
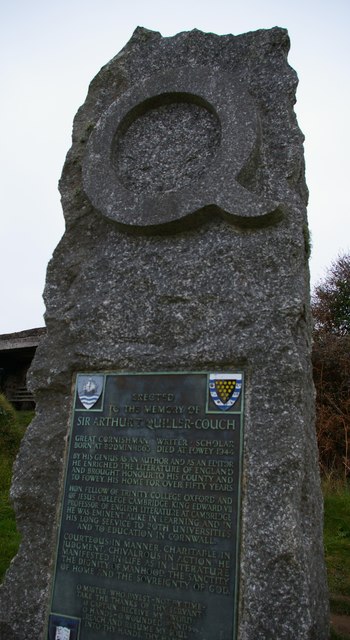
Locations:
{"points": [[149, 534]]}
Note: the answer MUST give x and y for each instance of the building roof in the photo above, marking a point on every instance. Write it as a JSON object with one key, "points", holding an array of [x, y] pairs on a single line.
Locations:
{"points": [[21, 339]]}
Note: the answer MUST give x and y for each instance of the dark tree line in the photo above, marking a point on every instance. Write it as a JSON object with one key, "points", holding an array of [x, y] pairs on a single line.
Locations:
{"points": [[331, 365]]}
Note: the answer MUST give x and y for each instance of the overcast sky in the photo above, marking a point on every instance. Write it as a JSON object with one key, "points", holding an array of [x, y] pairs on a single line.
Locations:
{"points": [[51, 50]]}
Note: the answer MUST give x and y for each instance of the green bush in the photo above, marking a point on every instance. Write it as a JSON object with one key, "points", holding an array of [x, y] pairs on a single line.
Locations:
{"points": [[10, 431], [12, 427], [336, 636], [9, 536]]}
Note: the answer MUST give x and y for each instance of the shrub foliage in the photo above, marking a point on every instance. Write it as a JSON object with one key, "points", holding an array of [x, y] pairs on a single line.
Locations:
{"points": [[331, 365], [10, 432]]}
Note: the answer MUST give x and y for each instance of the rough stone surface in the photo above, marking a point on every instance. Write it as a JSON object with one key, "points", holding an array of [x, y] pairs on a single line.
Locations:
{"points": [[145, 161], [217, 294]]}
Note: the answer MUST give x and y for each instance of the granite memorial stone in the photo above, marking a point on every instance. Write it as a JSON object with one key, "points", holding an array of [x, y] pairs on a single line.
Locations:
{"points": [[168, 487]]}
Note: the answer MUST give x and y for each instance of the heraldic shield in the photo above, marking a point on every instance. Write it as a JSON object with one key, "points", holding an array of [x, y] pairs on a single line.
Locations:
{"points": [[89, 389], [225, 389]]}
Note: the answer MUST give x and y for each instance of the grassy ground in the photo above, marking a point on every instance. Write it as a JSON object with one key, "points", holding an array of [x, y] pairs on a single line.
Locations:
{"points": [[336, 538], [337, 552]]}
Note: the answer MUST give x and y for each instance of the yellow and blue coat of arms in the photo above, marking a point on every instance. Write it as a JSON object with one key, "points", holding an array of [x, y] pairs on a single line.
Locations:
{"points": [[225, 389]]}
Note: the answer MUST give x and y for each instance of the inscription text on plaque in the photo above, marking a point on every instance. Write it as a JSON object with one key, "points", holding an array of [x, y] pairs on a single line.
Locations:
{"points": [[149, 536]]}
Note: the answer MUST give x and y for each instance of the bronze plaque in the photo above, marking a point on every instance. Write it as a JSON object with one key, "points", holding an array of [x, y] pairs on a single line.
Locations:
{"points": [[149, 537]]}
